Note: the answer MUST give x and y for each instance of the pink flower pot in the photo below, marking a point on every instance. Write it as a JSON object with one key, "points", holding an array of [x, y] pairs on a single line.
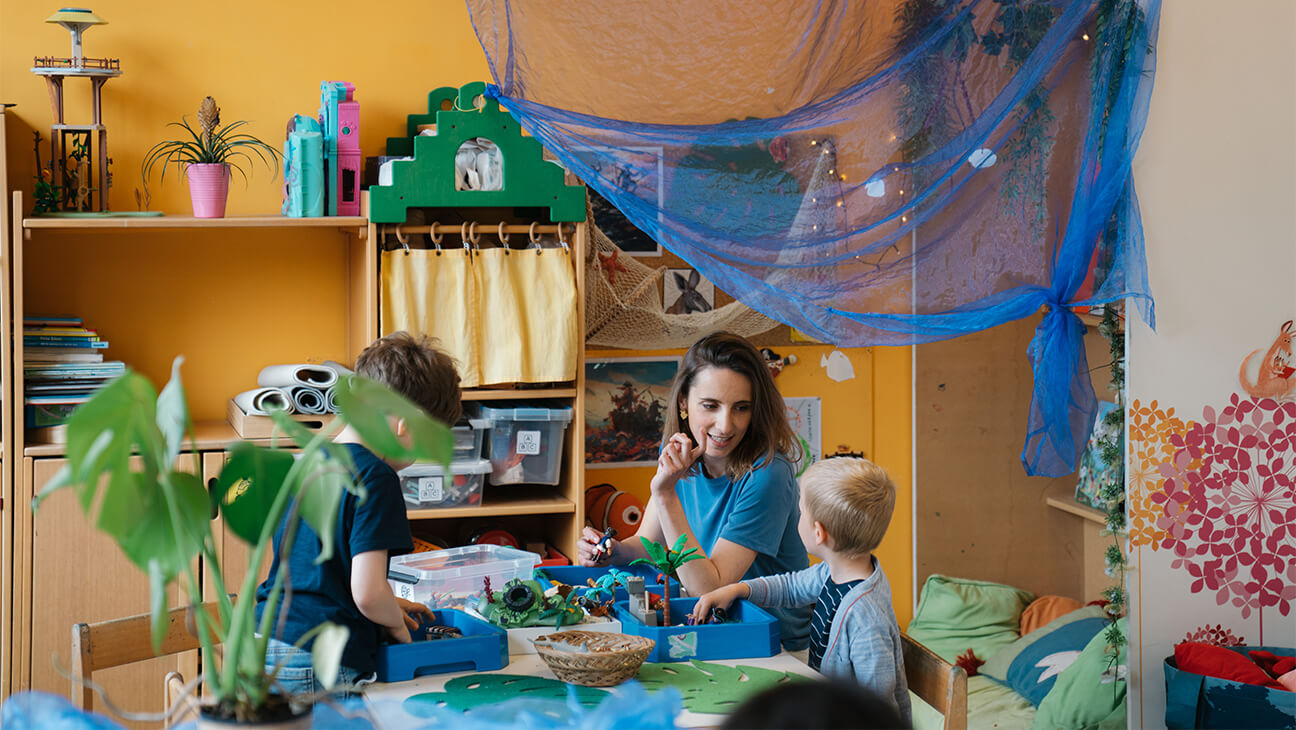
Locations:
{"points": [[208, 188]]}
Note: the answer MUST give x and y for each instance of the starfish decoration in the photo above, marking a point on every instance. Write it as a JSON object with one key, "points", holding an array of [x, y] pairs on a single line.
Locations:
{"points": [[611, 266]]}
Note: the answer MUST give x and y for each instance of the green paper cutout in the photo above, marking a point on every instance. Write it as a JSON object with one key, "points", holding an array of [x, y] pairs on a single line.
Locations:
{"points": [[474, 690], [711, 688]]}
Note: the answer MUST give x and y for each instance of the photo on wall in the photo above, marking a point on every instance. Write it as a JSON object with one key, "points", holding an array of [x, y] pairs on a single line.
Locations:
{"points": [[625, 407], [684, 291], [643, 179]]}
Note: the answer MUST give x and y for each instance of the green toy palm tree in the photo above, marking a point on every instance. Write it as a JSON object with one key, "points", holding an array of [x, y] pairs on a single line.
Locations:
{"points": [[667, 562]]}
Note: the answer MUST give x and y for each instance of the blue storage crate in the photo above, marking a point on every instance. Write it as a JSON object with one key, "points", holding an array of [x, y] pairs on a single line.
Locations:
{"points": [[483, 647], [576, 575], [753, 633]]}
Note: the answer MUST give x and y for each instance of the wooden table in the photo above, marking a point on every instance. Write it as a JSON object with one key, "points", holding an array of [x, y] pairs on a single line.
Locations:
{"points": [[386, 700]]}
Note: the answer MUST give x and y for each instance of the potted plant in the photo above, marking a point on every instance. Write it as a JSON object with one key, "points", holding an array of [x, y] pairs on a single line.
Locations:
{"points": [[207, 156], [122, 449], [667, 561]]}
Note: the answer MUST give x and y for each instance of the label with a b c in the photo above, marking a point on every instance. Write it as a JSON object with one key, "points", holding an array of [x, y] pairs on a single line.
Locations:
{"points": [[431, 489], [528, 443]]}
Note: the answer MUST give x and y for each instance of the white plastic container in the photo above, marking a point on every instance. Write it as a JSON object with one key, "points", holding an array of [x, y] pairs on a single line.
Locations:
{"points": [[526, 443], [454, 578], [469, 437], [427, 486]]}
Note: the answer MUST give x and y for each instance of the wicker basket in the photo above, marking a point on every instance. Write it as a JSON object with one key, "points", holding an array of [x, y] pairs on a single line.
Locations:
{"points": [[606, 658]]}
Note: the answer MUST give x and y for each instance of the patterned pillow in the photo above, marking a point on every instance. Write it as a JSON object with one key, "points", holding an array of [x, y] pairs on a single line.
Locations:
{"points": [[1032, 663]]}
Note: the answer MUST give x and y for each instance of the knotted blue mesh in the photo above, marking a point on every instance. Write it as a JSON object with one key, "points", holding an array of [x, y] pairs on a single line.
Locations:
{"points": [[869, 173]]}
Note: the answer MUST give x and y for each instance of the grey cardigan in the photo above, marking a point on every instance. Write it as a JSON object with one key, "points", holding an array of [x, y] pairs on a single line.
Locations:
{"points": [[864, 640]]}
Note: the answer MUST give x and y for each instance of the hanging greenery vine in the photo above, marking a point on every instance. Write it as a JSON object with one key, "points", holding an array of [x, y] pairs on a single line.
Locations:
{"points": [[1112, 491]]}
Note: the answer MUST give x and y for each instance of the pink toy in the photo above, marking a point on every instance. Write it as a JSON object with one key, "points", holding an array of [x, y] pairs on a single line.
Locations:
{"points": [[340, 125]]}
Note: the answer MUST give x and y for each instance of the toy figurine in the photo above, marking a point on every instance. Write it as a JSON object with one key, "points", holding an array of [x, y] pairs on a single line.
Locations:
{"points": [[602, 551]]}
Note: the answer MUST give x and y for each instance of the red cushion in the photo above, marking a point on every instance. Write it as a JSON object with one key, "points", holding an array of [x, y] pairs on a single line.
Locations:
{"points": [[1274, 665], [1217, 661]]}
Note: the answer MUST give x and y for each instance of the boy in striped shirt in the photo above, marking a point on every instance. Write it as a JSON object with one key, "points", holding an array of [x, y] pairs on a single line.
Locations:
{"points": [[846, 506]]}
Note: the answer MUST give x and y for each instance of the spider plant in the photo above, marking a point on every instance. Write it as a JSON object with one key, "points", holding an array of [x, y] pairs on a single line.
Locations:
{"points": [[209, 143]]}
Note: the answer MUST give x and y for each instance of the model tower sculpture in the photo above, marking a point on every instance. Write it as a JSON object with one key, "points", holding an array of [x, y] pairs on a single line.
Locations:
{"points": [[73, 147]]}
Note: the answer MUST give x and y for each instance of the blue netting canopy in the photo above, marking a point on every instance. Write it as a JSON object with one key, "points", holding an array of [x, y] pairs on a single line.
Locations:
{"points": [[870, 173]]}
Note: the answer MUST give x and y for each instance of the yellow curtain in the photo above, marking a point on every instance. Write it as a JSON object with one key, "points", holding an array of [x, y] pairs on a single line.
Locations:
{"points": [[506, 317], [434, 292], [528, 299]]}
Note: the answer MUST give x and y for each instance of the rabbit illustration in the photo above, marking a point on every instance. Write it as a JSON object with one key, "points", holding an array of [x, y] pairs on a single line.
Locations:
{"points": [[1275, 379], [689, 300]]}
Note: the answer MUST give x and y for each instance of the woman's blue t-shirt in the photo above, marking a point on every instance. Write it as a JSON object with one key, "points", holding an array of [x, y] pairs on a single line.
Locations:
{"points": [[760, 512]]}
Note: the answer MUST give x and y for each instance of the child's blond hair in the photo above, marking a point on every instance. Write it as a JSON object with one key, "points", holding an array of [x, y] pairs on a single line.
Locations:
{"points": [[853, 499]]}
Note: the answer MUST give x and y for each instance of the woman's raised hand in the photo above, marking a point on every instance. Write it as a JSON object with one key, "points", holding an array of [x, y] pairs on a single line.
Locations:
{"points": [[677, 457], [592, 550]]}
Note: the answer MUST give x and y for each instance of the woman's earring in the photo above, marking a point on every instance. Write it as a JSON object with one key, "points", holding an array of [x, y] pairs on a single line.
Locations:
{"points": [[683, 413]]}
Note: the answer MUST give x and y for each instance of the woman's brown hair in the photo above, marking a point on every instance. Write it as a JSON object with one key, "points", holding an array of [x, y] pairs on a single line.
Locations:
{"points": [[769, 432]]}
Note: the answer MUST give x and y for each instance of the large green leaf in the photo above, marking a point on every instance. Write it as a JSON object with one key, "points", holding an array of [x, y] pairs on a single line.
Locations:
{"points": [[366, 404], [247, 486], [326, 652], [474, 690], [103, 432], [323, 481], [711, 688], [157, 538]]}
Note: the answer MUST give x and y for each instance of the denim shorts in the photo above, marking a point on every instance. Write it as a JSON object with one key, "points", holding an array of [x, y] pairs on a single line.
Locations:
{"points": [[297, 676]]}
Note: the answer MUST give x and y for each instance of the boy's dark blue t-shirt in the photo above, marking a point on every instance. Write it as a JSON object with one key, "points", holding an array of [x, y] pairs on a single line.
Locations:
{"points": [[323, 592]]}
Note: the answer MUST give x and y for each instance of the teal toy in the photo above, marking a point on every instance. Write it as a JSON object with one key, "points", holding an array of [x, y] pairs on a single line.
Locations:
{"points": [[427, 181]]}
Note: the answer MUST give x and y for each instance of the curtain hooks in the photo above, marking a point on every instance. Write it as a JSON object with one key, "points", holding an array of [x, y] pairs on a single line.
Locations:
{"points": [[435, 235], [535, 237], [468, 233], [402, 238], [503, 237], [560, 239]]}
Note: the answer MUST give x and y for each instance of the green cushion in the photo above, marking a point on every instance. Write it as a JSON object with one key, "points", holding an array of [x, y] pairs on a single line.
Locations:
{"points": [[956, 614], [1032, 663], [1079, 699]]}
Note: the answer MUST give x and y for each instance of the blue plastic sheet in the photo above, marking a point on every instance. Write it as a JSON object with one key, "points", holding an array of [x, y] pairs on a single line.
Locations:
{"points": [[869, 173]]}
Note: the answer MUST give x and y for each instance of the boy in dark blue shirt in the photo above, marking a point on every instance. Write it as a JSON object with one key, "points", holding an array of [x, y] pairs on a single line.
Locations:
{"points": [[350, 588]]}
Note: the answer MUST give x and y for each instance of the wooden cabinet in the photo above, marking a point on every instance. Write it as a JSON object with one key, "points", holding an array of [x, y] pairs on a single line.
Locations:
{"points": [[8, 506], [231, 295], [73, 573]]}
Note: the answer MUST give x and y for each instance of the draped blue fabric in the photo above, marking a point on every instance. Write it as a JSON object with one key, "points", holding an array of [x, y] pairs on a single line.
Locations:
{"points": [[881, 173]]}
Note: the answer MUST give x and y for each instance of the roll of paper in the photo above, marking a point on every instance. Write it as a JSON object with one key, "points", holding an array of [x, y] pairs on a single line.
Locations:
{"points": [[330, 400], [307, 399], [283, 376], [259, 401]]}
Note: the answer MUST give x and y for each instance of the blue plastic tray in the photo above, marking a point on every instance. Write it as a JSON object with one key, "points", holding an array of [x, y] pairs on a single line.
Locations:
{"points": [[483, 647], [576, 575], [753, 632]]}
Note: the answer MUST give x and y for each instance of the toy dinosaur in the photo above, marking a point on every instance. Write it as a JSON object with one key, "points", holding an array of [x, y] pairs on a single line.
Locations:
{"points": [[1275, 379]]}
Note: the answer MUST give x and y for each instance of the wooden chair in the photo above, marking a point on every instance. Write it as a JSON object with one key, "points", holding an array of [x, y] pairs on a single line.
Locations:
{"points": [[939, 683], [108, 644]]}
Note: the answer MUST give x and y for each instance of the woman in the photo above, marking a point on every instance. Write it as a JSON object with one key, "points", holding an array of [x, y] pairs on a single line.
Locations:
{"points": [[724, 478]]}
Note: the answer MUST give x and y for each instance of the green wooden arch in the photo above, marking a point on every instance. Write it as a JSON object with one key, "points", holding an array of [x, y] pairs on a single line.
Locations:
{"points": [[427, 181]]}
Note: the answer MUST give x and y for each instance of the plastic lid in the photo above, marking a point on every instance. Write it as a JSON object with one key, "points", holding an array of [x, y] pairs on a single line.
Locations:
{"points": [[468, 560], [527, 412], [471, 466]]}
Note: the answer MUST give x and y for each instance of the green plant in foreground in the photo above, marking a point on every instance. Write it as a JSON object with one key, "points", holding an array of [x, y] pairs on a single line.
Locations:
{"points": [[123, 447], [667, 561], [209, 143]]}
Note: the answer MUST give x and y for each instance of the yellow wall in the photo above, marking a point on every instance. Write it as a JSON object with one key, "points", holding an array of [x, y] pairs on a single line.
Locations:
{"points": [[263, 62]]}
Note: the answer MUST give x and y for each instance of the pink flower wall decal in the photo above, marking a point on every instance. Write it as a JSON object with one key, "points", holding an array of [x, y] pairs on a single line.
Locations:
{"points": [[1217, 635], [1228, 506]]}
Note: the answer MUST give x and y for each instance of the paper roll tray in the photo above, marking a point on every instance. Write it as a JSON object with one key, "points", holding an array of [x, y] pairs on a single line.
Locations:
{"points": [[263, 427]]}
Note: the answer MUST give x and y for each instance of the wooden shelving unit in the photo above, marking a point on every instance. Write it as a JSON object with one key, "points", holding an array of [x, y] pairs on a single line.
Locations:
{"points": [[165, 222]]}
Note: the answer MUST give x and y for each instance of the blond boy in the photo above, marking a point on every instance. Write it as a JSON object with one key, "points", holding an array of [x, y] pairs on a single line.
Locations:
{"points": [[846, 506]]}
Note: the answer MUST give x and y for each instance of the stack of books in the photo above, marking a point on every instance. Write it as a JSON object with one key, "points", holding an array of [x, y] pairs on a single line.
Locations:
{"points": [[63, 365]]}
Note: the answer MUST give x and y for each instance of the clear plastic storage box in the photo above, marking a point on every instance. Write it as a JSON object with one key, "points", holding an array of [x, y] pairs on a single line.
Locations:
{"points": [[526, 442], [454, 578], [428, 486], [469, 434]]}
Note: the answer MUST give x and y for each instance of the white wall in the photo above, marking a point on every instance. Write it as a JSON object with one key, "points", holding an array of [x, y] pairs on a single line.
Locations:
{"points": [[1216, 175]]}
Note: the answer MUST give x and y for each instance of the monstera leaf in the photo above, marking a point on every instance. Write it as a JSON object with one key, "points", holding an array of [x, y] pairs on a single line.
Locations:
{"points": [[465, 693], [711, 688]]}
